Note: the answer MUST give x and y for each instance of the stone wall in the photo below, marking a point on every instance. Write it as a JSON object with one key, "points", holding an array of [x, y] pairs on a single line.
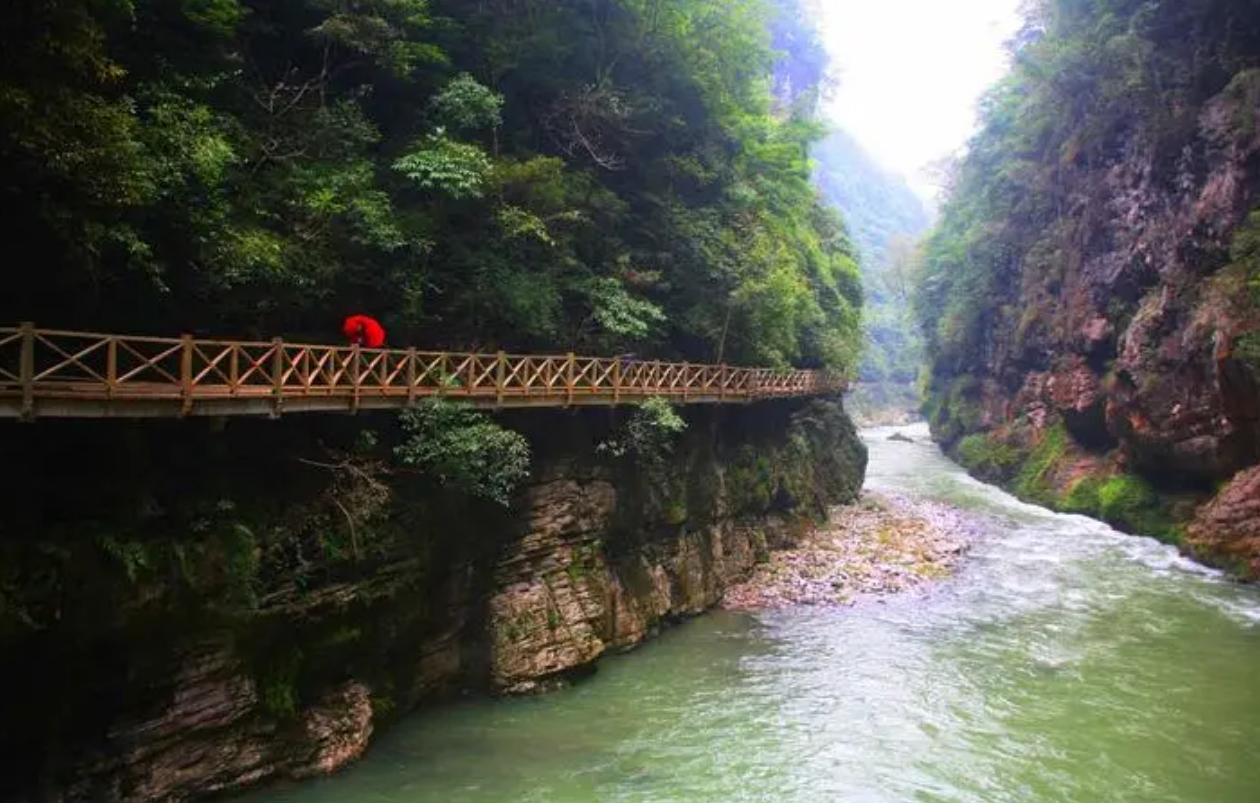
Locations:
{"points": [[448, 595]]}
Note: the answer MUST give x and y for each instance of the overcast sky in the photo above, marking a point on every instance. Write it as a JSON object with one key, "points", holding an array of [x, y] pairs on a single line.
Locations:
{"points": [[911, 71]]}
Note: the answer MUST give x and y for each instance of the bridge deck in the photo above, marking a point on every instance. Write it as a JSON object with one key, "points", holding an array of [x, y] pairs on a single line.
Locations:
{"points": [[50, 373]]}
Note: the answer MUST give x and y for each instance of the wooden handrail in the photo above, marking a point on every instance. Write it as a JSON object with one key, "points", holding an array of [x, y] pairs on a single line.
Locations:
{"points": [[49, 372]]}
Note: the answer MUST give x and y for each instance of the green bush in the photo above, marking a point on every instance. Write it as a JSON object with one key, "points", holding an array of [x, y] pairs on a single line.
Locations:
{"points": [[1130, 503], [1031, 480], [982, 454], [1082, 497], [649, 434], [277, 680], [464, 450]]}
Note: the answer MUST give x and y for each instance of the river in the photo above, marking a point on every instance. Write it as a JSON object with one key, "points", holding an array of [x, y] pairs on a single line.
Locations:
{"points": [[1065, 662]]}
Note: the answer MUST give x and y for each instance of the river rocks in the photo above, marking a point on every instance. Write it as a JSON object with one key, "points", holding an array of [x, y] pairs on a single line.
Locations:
{"points": [[887, 544], [1228, 528]]}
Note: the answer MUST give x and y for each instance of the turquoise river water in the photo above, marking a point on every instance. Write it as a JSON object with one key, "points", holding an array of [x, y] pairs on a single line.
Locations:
{"points": [[1065, 662]]}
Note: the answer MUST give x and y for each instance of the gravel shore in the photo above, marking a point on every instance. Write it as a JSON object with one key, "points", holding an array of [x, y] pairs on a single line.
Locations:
{"points": [[885, 544]]}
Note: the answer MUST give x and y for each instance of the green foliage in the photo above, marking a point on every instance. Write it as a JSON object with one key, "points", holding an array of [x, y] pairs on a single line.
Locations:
{"points": [[455, 168], [132, 556], [620, 315], [987, 457], [277, 679], [751, 482], [1247, 348], [886, 218], [1245, 253], [1082, 496], [1131, 503], [1032, 480], [464, 450], [953, 407], [649, 433], [1093, 83], [1125, 501], [240, 566], [526, 175], [466, 104]]}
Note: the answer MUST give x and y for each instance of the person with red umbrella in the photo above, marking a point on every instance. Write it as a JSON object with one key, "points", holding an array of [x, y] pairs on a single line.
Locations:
{"points": [[364, 331]]}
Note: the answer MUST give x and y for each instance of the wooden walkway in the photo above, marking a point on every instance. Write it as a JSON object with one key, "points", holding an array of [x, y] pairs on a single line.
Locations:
{"points": [[48, 373]]}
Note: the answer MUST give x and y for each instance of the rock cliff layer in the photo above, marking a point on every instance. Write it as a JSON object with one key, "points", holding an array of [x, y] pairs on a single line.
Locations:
{"points": [[1093, 328], [129, 676]]}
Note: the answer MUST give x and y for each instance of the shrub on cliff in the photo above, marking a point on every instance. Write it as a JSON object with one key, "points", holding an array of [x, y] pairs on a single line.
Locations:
{"points": [[648, 434], [1129, 502], [464, 450], [987, 457]]}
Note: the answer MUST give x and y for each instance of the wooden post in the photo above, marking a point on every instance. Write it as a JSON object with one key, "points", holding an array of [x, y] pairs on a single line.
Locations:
{"points": [[686, 380], [306, 372], [616, 381], [26, 370], [570, 378], [186, 374], [355, 367], [444, 372], [411, 376], [722, 383], [500, 378], [111, 366], [234, 371], [277, 376]]}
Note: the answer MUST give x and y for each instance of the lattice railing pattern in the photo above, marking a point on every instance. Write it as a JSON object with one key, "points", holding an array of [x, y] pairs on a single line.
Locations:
{"points": [[41, 364]]}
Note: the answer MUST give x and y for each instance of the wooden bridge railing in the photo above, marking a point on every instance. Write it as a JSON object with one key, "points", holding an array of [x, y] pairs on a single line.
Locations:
{"points": [[82, 374]]}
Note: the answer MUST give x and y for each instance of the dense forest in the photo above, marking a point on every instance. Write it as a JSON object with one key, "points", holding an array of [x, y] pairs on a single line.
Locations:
{"points": [[599, 176], [1091, 297], [886, 220], [596, 176]]}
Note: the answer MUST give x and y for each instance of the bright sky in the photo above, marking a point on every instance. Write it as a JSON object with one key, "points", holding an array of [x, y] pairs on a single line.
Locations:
{"points": [[911, 71]]}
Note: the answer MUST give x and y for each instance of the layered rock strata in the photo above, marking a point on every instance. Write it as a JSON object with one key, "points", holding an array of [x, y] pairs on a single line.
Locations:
{"points": [[135, 684]]}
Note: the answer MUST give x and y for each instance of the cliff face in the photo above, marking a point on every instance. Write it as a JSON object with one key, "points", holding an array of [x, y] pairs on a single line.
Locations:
{"points": [[1134, 344], [127, 681], [1091, 297], [1114, 377]]}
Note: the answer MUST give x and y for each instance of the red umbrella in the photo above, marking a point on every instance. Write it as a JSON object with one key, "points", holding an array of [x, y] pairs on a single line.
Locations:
{"points": [[364, 331]]}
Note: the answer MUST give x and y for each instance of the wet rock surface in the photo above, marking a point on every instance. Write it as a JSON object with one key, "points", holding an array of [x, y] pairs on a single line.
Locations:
{"points": [[1229, 526]]}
